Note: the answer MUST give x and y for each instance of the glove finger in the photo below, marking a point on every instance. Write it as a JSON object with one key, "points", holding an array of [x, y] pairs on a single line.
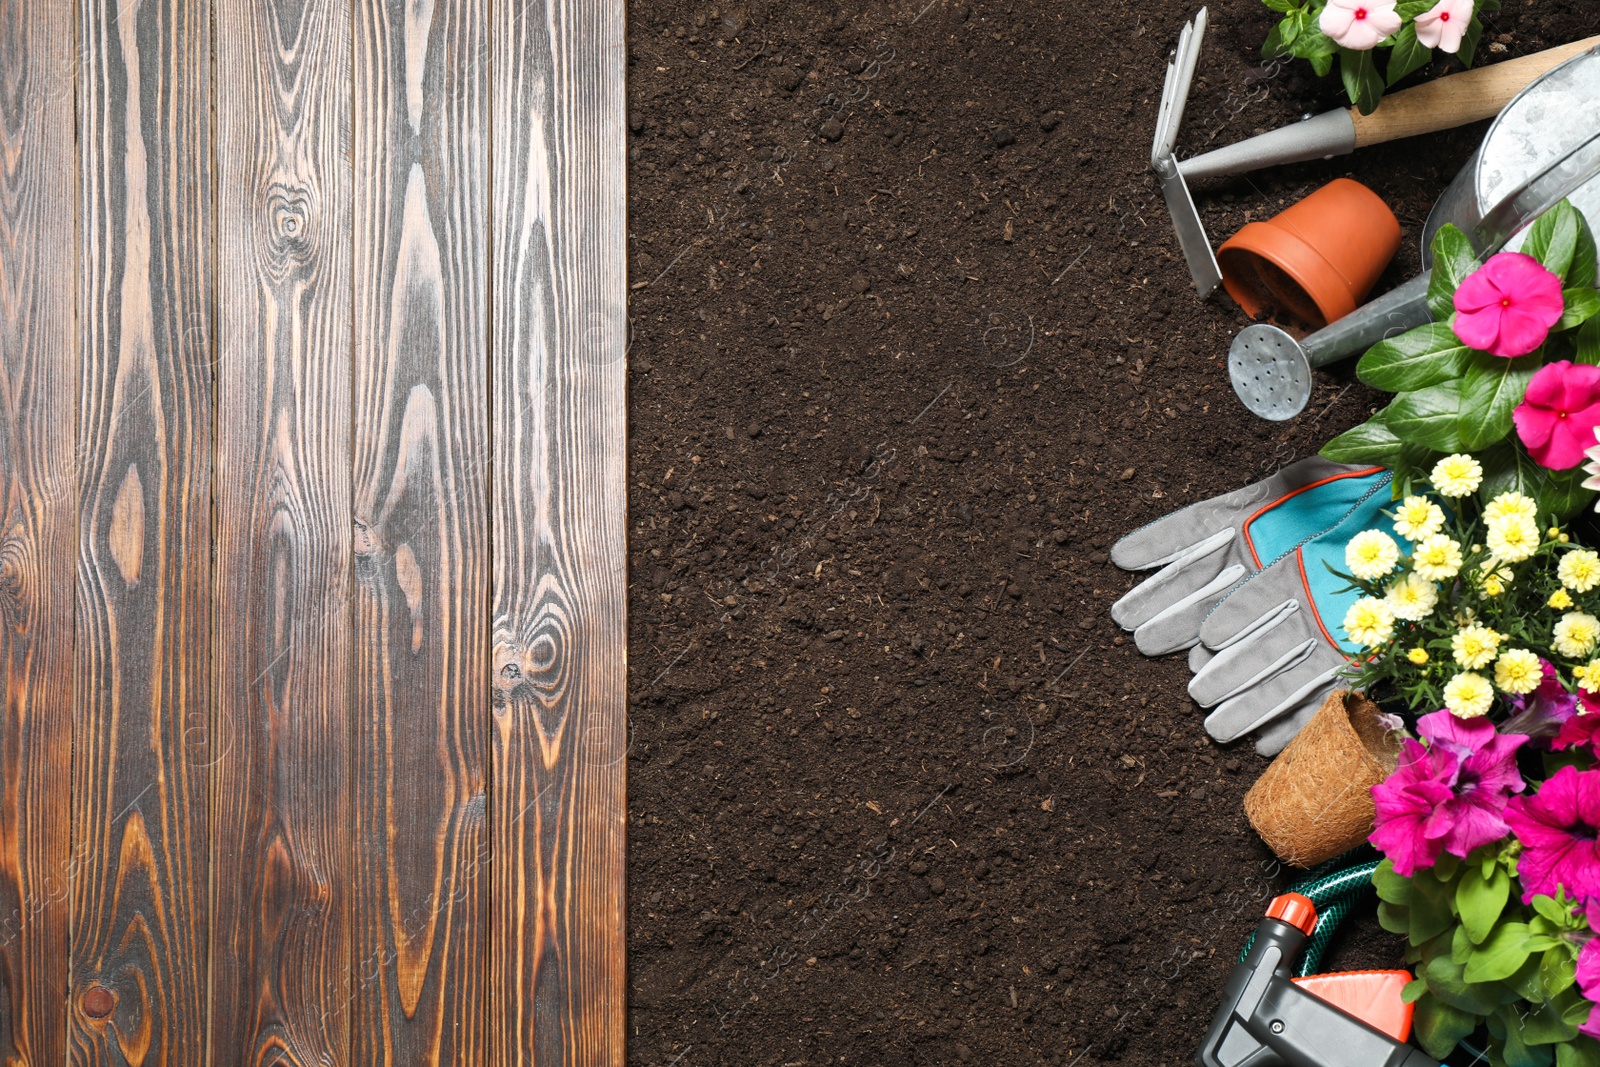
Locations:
{"points": [[1274, 647], [1199, 656], [1252, 604], [1164, 540], [1273, 697], [1276, 735], [1178, 626], [1192, 571]]}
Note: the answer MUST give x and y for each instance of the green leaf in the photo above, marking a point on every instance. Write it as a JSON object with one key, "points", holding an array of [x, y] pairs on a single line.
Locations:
{"points": [[1518, 1052], [1490, 390], [1428, 417], [1362, 84], [1439, 1026], [1416, 359], [1282, 7], [1469, 42], [1278, 40], [1500, 956], [1391, 885], [1480, 901], [1507, 466], [1581, 1051], [1453, 259], [1588, 341], [1410, 9], [1394, 918], [1409, 54], [1544, 1025], [1581, 306], [1322, 63], [1553, 238], [1551, 909], [1557, 970], [1582, 273], [1413, 989], [1371, 442], [1445, 981]]}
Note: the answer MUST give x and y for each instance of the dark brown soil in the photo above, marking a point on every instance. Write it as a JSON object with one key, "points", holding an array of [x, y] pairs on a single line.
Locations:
{"points": [[913, 345]]}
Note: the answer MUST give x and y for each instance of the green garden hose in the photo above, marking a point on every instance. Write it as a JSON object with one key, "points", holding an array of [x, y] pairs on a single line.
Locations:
{"points": [[1334, 888]]}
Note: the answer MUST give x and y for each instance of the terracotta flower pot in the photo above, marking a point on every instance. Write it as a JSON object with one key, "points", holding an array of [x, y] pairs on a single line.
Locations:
{"points": [[1315, 801], [1315, 261]]}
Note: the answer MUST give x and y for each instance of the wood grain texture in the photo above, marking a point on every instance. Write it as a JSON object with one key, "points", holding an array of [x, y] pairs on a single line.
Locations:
{"points": [[139, 915], [281, 797], [38, 355], [559, 519], [421, 532]]}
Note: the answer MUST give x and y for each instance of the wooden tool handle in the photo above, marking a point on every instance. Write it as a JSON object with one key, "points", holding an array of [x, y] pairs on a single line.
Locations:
{"points": [[1458, 99]]}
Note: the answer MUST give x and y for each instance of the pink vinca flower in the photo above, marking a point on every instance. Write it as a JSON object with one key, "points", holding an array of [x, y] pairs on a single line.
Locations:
{"points": [[1558, 827], [1443, 25], [1507, 306], [1448, 797], [1359, 24], [1559, 412]]}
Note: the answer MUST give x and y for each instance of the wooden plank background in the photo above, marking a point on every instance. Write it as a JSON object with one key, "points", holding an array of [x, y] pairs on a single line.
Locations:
{"points": [[312, 520]]}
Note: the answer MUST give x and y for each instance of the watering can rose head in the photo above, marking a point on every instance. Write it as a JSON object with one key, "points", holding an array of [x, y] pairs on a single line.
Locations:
{"points": [[1507, 306], [1559, 412]]}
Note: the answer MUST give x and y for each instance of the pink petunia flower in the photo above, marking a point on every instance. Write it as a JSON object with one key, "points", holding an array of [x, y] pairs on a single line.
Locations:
{"points": [[1559, 413], [1449, 796], [1544, 713], [1359, 24], [1581, 729], [1507, 306], [1588, 971], [1443, 25], [1558, 827]]}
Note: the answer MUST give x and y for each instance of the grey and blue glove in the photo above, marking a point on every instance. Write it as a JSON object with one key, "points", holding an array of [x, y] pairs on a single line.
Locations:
{"points": [[1206, 549], [1276, 644]]}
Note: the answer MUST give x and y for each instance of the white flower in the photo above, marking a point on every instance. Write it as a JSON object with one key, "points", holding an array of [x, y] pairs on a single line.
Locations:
{"points": [[1417, 518], [1575, 634], [1369, 622], [1474, 646], [1412, 598], [1457, 475], [1579, 570], [1468, 695], [1518, 671], [1511, 502], [1437, 558], [1371, 554], [1512, 538]]}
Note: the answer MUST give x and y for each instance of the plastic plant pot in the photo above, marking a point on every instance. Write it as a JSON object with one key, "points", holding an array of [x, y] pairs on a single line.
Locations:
{"points": [[1315, 261]]}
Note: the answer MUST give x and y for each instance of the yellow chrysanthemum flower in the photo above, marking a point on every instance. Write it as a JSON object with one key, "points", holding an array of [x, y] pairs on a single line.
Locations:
{"points": [[1589, 679], [1518, 671], [1513, 538], [1474, 646], [1418, 517], [1579, 570], [1457, 475], [1575, 634], [1511, 503], [1468, 695], [1371, 554], [1437, 558], [1412, 598], [1418, 655], [1369, 622], [1560, 600]]}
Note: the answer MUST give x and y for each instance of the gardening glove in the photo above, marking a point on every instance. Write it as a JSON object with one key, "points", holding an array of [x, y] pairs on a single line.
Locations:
{"points": [[1207, 548], [1278, 639]]}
